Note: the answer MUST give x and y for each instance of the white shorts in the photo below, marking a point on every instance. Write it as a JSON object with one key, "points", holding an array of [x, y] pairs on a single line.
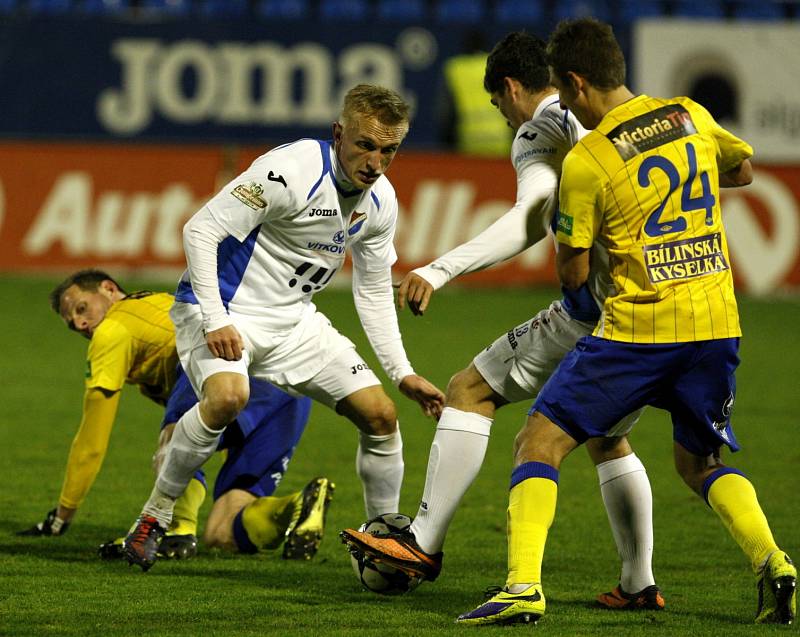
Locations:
{"points": [[519, 363], [312, 359]]}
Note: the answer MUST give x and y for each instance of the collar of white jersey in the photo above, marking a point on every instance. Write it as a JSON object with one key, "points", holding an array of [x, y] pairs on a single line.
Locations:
{"points": [[343, 185], [546, 102]]}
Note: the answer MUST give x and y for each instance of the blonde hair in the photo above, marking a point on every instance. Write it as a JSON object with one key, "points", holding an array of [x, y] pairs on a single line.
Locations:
{"points": [[381, 103]]}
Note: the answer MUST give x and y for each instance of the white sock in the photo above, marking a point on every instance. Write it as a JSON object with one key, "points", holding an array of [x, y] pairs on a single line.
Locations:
{"points": [[629, 505], [379, 464], [455, 458], [191, 445]]}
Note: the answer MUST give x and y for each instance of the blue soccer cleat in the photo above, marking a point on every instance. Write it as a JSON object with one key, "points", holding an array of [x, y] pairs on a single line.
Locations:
{"points": [[508, 608]]}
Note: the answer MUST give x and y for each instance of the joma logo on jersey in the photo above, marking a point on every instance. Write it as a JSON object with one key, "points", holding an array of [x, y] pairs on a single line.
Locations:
{"points": [[325, 247], [685, 259], [250, 195], [323, 212]]}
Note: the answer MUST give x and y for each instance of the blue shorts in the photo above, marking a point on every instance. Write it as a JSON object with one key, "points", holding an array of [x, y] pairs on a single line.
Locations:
{"points": [[601, 381], [259, 444]]}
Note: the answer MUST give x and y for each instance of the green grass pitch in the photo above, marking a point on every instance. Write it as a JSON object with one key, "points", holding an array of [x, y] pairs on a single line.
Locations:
{"points": [[58, 586]]}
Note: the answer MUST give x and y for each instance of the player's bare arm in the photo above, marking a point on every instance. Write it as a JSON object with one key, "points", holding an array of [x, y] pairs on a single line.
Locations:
{"points": [[225, 343], [572, 265], [742, 175], [429, 397], [417, 291]]}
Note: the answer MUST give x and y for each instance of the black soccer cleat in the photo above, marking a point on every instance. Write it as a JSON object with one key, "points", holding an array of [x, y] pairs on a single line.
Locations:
{"points": [[140, 546], [177, 547], [777, 591], [649, 598], [304, 534], [111, 550]]}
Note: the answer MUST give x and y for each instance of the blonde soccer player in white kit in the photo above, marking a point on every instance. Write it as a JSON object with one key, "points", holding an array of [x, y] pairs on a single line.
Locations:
{"points": [[257, 252], [519, 362]]}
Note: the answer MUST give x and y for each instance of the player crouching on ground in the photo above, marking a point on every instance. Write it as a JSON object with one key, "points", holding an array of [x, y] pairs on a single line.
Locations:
{"points": [[132, 340]]}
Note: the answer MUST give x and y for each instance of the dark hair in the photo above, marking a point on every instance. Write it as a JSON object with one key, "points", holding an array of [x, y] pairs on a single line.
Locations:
{"points": [[89, 280], [587, 47], [520, 56]]}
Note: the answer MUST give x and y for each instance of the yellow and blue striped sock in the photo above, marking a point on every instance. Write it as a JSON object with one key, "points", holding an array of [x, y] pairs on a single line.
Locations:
{"points": [[732, 497], [531, 509]]}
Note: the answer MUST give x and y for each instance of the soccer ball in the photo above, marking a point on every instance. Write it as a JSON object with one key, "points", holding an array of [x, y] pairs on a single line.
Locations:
{"points": [[382, 578]]}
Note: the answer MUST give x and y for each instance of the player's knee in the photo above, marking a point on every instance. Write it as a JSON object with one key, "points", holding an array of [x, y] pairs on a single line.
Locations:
{"points": [[226, 408], [371, 410], [608, 448], [467, 389], [540, 440], [381, 417], [458, 387], [223, 406]]}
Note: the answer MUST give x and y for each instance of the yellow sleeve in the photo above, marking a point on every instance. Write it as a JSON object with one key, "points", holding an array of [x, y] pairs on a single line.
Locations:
{"points": [[89, 446], [732, 151], [578, 203], [110, 356]]}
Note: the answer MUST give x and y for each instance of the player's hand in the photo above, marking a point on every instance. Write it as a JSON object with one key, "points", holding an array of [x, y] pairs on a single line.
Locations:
{"points": [[417, 291], [51, 525], [429, 397], [225, 343]]}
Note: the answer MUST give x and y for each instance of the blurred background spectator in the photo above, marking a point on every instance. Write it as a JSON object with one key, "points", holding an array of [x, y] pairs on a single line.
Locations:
{"points": [[470, 124]]}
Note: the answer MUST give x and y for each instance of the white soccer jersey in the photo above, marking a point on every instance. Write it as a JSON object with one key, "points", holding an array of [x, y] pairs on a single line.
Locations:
{"points": [[282, 228], [290, 218], [539, 148]]}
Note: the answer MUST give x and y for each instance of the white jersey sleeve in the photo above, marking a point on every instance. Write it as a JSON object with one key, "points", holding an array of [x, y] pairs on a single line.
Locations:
{"points": [[201, 238], [536, 154], [373, 256], [374, 301]]}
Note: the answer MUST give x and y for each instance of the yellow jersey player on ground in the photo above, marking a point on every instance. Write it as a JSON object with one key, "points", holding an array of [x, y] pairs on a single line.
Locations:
{"points": [[132, 340], [644, 183]]}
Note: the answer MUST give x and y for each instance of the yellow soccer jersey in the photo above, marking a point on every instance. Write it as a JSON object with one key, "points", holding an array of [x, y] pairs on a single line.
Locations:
{"points": [[645, 184], [135, 343]]}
